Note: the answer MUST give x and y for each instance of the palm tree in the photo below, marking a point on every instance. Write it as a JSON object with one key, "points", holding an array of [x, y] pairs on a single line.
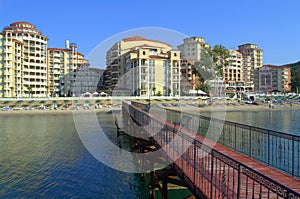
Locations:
{"points": [[154, 89], [109, 91], [46, 87], [220, 56], [11, 91], [29, 88], [139, 91]]}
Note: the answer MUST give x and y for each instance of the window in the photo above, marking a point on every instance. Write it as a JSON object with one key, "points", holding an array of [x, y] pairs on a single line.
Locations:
{"points": [[152, 62]]}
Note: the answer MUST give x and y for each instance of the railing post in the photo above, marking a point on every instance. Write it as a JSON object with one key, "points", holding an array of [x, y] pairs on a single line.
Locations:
{"points": [[195, 162], [212, 173], [239, 182], [182, 152], [293, 156], [250, 143], [269, 148], [234, 136]]}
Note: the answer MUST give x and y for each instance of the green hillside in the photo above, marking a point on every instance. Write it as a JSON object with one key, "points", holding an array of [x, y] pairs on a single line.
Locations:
{"points": [[295, 75]]}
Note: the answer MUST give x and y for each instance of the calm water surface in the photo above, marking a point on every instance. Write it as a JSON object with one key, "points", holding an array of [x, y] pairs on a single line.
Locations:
{"points": [[286, 121], [42, 156]]}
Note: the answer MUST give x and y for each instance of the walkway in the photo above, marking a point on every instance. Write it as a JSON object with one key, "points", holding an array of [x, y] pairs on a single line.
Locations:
{"points": [[211, 170]]}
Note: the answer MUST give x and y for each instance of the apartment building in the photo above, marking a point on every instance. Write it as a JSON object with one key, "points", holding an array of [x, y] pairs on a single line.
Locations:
{"points": [[143, 67], [256, 57], [63, 64], [236, 75], [192, 47], [87, 79], [115, 63], [23, 65], [192, 50], [270, 78]]}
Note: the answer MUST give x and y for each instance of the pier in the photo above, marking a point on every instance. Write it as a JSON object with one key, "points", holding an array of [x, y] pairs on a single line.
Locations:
{"points": [[247, 162]]}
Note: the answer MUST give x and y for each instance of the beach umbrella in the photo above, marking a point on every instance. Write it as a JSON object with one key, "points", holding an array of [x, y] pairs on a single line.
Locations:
{"points": [[95, 94], [103, 94]]}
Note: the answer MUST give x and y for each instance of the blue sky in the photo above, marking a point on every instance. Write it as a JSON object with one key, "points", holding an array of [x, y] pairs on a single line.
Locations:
{"points": [[273, 25]]}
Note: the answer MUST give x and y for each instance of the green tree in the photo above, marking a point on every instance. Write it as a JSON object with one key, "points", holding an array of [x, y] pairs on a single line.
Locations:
{"points": [[205, 66], [220, 57], [109, 91], [46, 87], [29, 88], [12, 91], [154, 89]]}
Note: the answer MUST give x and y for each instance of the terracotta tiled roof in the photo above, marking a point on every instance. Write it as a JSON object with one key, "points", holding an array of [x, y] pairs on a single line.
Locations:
{"points": [[139, 38], [63, 49]]}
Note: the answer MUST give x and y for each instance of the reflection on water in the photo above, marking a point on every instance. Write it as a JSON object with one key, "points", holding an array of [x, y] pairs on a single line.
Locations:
{"points": [[42, 156]]}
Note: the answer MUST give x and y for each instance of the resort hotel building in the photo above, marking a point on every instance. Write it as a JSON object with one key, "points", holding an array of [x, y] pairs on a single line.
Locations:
{"points": [[63, 65], [23, 61], [270, 78], [28, 68], [134, 66], [192, 50], [140, 66]]}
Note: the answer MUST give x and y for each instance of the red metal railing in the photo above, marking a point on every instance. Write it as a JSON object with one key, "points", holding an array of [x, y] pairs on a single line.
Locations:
{"points": [[216, 172]]}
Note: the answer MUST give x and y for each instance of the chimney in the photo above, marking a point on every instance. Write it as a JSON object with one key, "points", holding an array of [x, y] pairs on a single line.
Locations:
{"points": [[67, 44]]}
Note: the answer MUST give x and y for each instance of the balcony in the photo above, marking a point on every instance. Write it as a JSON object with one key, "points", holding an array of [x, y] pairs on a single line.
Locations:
{"points": [[115, 72], [8, 58], [8, 43]]}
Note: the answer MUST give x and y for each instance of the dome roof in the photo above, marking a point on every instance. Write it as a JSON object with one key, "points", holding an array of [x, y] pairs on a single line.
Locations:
{"points": [[73, 44]]}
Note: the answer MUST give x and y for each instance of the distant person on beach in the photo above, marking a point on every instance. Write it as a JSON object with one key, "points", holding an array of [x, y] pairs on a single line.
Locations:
{"points": [[271, 105], [291, 104]]}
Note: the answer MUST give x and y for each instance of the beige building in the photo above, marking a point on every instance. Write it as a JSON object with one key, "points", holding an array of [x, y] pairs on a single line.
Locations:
{"points": [[236, 75], [191, 48], [23, 62], [63, 64], [191, 51], [144, 67], [256, 57], [115, 64]]}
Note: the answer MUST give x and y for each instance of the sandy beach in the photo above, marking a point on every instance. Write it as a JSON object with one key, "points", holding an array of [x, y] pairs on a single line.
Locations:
{"points": [[184, 106]]}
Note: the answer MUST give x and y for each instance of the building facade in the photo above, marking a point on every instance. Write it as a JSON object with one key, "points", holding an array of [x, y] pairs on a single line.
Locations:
{"points": [[192, 47], [256, 58], [270, 78], [236, 75], [144, 67], [192, 50], [115, 62], [87, 79], [23, 61], [63, 64]]}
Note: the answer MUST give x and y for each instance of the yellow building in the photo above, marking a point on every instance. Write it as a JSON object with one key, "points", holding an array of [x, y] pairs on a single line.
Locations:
{"points": [[23, 65], [255, 54], [63, 64], [143, 67]]}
